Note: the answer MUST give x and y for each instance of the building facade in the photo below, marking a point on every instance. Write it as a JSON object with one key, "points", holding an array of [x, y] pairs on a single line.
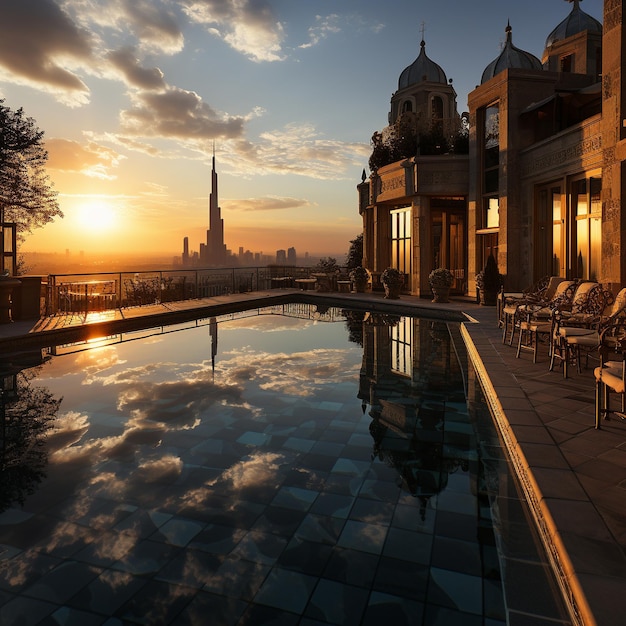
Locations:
{"points": [[541, 185]]}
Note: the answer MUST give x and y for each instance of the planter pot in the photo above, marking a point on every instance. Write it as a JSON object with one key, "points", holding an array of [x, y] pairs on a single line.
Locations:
{"points": [[488, 298], [392, 292], [441, 294], [359, 286]]}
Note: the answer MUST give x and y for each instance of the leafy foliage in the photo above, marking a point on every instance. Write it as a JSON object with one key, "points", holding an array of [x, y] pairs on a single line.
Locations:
{"points": [[327, 265], [408, 137], [354, 258], [26, 195]]}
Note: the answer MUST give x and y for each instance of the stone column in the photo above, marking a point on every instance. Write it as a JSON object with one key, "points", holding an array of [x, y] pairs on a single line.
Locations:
{"points": [[613, 145]]}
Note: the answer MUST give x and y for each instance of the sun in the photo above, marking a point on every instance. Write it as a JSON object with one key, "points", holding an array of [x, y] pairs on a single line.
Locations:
{"points": [[97, 215]]}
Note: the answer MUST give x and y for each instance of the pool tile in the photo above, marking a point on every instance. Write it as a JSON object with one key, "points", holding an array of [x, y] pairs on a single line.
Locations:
{"points": [[260, 547], [286, 590], [361, 536], [217, 539], [409, 546], [351, 566], [237, 578], [336, 603], [62, 582], [456, 590], [384, 608], [335, 505], [402, 578], [304, 556], [295, 498], [107, 592]]}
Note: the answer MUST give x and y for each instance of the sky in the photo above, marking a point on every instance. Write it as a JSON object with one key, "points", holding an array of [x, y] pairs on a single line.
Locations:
{"points": [[135, 95]]}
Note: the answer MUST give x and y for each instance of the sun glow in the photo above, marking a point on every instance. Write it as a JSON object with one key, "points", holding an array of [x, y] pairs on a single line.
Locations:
{"points": [[97, 215]]}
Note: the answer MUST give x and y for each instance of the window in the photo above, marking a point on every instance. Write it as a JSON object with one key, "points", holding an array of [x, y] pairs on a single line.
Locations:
{"points": [[401, 239], [407, 106], [587, 213], [437, 113], [549, 242], [566, 63], [491, 167], [401, 352]]}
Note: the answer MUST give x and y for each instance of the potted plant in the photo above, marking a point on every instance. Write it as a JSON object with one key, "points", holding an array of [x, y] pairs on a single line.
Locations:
{"points": [[489, 282], [359, 277], [392, 280], [441, 280]]}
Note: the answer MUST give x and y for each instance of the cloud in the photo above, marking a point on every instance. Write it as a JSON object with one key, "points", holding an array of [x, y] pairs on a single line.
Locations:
{"points": [[295, 149], [269, 203], [177, 114], [90, 159], [39, 43], [125, 61], [153, 23], [324, 27], [248, 26]]}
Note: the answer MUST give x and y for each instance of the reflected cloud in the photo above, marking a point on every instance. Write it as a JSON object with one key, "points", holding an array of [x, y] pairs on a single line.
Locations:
{"points": [[166, 468]]}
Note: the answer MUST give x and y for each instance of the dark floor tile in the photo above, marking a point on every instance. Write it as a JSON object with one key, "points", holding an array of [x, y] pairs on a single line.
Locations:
{"points": [[217, 539], [455, 590], [456, 555], [24, 569], [62, 582]]}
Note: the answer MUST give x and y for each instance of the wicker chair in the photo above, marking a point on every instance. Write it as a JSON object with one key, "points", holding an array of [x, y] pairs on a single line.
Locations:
{"points": [[579, 330], [610, 375]]}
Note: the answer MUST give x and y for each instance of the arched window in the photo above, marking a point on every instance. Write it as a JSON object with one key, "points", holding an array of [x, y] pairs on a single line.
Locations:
{"points": [[407, 106]]}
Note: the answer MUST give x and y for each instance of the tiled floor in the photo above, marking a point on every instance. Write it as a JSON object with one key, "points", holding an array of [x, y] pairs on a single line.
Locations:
{"points": [[575, 473]]}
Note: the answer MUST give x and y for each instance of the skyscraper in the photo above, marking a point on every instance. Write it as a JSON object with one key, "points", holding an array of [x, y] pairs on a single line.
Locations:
{"points": [[215, 251]]}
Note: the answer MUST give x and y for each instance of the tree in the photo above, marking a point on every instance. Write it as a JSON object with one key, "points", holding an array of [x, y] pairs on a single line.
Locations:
{"points": [[26, 194], [354, 258]]}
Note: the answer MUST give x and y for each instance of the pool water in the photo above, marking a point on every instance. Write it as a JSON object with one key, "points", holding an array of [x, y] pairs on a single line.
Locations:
{"points": [[283, 466]]}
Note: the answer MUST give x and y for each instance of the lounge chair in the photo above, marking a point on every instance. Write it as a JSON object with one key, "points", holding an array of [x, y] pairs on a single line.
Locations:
{"points": [[610, 375]]}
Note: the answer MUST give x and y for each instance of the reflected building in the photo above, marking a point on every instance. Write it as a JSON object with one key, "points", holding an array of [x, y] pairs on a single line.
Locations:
{"points": [[414, 386]]}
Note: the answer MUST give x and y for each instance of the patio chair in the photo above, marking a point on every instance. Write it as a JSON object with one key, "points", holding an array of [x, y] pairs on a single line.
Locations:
{"points": [[542, 289], [580, 330], [610, 375], [559, 293]]}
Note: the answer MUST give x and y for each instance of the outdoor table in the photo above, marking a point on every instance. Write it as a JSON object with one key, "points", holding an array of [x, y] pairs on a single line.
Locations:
{"points": [[78, 296]]}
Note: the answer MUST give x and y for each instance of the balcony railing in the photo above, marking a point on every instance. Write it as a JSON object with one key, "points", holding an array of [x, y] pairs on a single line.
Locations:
{"points": [[100, 291]]}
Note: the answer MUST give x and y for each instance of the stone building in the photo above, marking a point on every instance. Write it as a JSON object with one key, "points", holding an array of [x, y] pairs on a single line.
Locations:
{"points": [[541, 185]]}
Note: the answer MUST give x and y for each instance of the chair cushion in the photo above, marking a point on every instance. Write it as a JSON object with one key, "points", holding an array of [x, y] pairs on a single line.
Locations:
{"points": [[610, 378]]}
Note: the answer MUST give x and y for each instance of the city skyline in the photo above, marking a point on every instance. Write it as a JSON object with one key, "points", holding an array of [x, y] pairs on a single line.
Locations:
{"points": [[132, 97]]}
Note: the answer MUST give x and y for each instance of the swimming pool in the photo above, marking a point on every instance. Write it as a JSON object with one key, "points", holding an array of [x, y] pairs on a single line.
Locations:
{"points": [[288, 465]]}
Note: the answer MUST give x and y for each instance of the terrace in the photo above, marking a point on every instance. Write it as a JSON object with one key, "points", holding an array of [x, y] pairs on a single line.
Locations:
{"points": [[572, 474]]}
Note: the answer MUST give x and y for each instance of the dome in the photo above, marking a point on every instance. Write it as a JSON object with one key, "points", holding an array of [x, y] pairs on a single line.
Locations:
{"points": [[576, 22], [510, 58], [422, 70]]}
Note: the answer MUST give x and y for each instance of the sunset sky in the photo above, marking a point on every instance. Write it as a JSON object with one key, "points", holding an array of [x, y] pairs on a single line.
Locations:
{"points": [[133, 94]]}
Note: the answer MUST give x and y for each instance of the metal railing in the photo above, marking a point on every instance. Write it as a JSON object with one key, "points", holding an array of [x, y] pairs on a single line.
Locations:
{"points": [[109, 290]]}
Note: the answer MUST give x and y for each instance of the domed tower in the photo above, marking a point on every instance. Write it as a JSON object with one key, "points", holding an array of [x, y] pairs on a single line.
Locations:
{"points": [[425, 92], [511, 57], [575, 45]]}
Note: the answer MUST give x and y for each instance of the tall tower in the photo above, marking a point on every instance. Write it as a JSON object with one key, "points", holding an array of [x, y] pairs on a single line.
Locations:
{"points": [[215, 251]]}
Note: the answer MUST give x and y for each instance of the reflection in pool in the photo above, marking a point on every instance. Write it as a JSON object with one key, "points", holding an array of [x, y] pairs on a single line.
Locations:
{"points": [[289, 465]]}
